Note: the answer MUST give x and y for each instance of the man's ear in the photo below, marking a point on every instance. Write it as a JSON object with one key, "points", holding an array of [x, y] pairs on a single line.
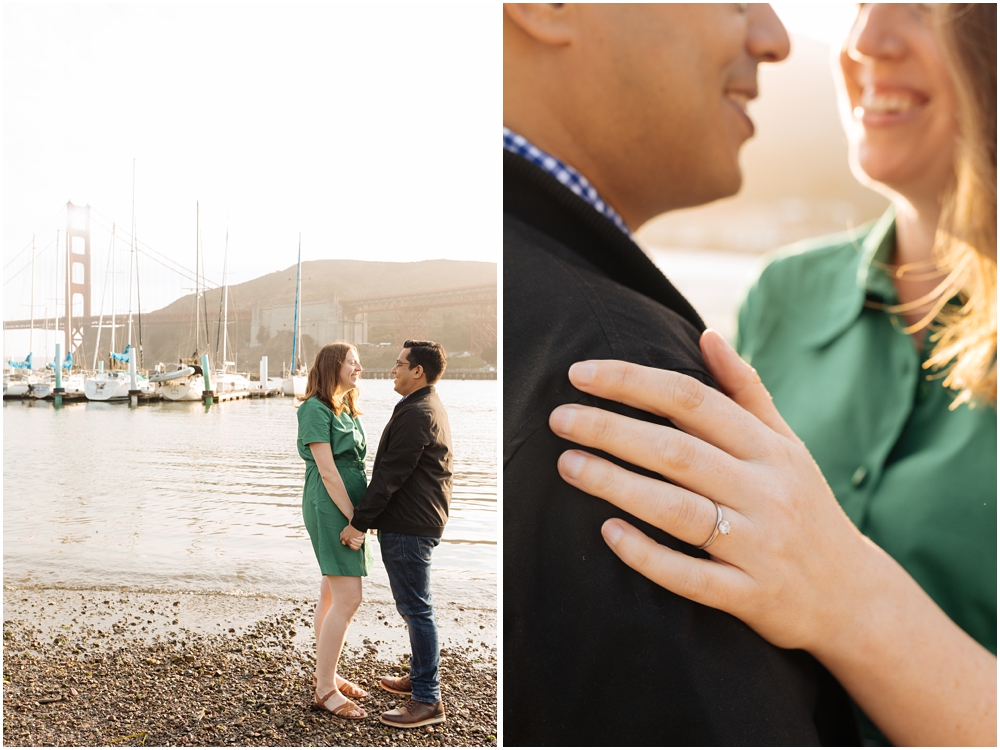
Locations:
{"points": [[417, 370], [548, 23]]}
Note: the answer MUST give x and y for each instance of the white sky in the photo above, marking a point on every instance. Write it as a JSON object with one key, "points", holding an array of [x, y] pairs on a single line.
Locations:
{"points": [[364, 126], [826, 22], [359, 125]]}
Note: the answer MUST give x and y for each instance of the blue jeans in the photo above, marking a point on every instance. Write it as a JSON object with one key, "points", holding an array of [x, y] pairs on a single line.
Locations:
{"points": [[407, 560]]}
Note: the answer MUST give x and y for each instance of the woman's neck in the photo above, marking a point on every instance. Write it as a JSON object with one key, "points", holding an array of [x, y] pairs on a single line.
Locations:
{"points": [[916, 227]]}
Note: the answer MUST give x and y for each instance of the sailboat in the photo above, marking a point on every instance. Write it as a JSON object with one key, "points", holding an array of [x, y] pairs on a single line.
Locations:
{"points": [[116, 384], [227, 380], [295, 383], [184, 381]]}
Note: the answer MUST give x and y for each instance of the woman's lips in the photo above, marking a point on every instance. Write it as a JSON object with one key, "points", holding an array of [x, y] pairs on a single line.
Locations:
{"points": [[881, 106]]}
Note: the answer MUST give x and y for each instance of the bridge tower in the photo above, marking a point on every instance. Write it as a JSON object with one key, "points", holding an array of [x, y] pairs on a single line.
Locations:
{"points": [[484, 327], [77, 277]]}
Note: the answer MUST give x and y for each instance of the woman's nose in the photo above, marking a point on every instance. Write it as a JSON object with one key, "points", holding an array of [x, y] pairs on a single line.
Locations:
{"points": [[875, 33]]}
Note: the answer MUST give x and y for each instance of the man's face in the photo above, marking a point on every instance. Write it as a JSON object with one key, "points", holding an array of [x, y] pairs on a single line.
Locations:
{"points": [[665, 89], [403, 375]]}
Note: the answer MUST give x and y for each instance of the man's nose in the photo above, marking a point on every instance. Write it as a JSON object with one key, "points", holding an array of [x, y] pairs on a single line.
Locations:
{"points": [[767, 39]]}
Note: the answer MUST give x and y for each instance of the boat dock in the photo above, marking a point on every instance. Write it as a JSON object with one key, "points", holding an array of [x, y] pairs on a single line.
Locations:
{"points": [[386, 374]]}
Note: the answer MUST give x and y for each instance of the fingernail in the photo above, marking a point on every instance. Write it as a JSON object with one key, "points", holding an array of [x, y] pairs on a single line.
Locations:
{"points": [[612, 531], [561, 419], [583, 372], [718, 337], [572, 463]]}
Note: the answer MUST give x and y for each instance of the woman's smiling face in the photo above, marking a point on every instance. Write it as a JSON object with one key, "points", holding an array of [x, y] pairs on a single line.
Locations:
{"points": [[350, 371], [899, 100]]}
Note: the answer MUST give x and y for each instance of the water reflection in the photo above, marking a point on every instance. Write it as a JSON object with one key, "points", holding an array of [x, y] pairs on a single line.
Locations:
{"points": [[169, 495]]}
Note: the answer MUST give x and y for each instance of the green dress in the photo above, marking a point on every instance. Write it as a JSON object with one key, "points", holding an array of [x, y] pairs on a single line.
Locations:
{"points": [[916, 476], [323, 519]]}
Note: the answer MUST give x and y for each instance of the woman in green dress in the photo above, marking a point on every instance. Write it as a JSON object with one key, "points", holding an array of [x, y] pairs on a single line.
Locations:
{"points": [[332, 442], [879, 349]]}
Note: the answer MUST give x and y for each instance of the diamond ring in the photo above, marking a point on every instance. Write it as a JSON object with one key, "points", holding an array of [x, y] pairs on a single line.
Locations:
{"points": [[721, 526]]}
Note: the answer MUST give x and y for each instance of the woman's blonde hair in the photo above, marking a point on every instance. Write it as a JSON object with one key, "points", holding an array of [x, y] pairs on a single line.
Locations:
{"points": [[965, 246], [323, 383]]}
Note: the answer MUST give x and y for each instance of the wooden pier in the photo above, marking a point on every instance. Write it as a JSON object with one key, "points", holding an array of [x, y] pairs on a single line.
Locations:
{"points": [[386, 374]]}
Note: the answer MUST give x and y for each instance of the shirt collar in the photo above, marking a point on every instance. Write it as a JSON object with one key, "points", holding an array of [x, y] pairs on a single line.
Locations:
{"points": [[866, 279], [563, 172]]}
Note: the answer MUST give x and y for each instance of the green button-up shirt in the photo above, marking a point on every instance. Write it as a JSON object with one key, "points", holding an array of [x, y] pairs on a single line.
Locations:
{"points": [[918, 479]]}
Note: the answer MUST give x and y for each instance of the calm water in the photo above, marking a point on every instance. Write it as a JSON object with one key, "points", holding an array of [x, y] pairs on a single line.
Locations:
{"points": [[180, 497]]}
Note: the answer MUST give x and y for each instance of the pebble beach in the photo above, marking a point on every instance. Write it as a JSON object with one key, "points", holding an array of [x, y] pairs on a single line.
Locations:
{"points": [[86, 667]]}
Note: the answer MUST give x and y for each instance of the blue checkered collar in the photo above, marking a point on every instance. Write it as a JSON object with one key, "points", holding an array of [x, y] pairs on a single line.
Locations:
{"points": [[568, 176]]}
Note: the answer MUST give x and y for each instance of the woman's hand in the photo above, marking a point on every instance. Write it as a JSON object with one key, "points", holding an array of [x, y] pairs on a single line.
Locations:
{"points": [[792, 562], [323, 456], [793, 566]]}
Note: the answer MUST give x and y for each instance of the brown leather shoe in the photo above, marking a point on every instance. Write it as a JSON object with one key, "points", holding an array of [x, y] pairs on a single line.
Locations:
{"points": [[397, 685], [414, 714]]}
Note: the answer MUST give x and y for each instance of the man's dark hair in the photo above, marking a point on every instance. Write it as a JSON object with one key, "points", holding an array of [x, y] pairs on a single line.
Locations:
{"points": [[428, 355]]}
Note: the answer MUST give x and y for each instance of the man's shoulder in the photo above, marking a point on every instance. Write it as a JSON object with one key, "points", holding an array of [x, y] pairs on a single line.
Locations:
{"points": [[558, 309], [555, 301]]}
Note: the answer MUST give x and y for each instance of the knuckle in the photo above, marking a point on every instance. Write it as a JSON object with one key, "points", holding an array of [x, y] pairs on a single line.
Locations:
{"points": [[694, 584], [673, 511], [675, 451], [603, 428], [629, 377], [600, 477], [685, 393], [638, 555]]}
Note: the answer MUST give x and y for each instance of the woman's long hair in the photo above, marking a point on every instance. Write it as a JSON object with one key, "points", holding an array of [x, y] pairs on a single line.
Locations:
{"points": [[322, 382], [965, 246]]}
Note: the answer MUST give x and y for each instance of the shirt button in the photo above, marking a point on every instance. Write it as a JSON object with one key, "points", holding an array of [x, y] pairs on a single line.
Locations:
{"points": [[859, 476]]}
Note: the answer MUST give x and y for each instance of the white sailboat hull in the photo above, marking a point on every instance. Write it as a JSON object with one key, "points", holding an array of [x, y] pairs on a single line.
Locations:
{"points": [[231, 382], [16, 388], [104, 388], [182, 389], [294, 386], [74, 384], [42, 388]]}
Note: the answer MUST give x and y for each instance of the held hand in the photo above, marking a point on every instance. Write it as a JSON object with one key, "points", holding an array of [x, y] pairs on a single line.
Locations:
{"points": [[792, 562], [351, 537]]}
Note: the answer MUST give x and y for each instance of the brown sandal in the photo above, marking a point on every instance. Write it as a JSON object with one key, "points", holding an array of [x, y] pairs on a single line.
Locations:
{"points": [[344, 709], [346, 687], [351, 690]]}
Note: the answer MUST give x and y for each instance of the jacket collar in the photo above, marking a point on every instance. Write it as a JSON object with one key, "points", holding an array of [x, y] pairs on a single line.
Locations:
{"points": [[415, 396], [538, 199], [865, 279]]}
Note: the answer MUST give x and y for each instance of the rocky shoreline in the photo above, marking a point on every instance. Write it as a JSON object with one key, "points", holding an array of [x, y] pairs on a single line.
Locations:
{"points": [[132, 669]]}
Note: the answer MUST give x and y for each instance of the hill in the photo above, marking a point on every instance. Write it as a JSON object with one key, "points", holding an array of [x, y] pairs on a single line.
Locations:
{"points": [[168, 333], [348, 279]]}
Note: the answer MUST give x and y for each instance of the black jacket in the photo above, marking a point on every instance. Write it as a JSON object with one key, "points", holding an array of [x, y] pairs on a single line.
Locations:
{"points": [[410, 489], [594, 653]]}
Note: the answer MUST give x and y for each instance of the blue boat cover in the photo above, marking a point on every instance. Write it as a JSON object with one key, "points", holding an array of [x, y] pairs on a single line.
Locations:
{"points": [[123, 357], [67, 363], [26, 365]]}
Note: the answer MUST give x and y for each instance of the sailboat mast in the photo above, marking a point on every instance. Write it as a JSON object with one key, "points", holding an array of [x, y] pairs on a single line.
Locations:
{"points": [[225, 299], [295, 326], [56, 320], [31, 329], [131, 261], [197, 286], [114, 321]]}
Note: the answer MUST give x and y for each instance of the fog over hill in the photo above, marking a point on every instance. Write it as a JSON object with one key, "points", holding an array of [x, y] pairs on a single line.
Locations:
{"points": [[169, 333], [348, 279], [797, 182]]}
